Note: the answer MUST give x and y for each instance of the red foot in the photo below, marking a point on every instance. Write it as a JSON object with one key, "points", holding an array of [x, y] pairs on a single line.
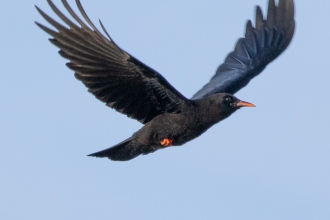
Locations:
{"points": [[166, 142]]}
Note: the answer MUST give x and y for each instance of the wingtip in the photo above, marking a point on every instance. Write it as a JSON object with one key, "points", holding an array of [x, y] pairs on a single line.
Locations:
{"points": [[40, 25], [38, 9], [96, 154], [259, 18], [93, 155]]}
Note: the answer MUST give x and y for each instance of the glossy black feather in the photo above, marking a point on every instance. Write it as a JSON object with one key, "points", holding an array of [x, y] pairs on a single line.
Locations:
{"points": [[110, 74], [260, 46]]}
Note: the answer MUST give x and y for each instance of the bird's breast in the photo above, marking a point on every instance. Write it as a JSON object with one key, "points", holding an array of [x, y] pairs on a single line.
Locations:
{"points": [[182, 128]]}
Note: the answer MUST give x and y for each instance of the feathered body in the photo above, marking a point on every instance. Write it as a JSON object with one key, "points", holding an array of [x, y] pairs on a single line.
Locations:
{"points": [[180, 128]]}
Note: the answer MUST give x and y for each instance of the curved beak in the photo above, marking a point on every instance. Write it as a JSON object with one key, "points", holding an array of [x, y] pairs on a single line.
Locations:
{"points": [[244, 104]]}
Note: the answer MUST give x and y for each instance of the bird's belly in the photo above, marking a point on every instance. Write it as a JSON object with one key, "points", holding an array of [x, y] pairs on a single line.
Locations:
{"points": [[175, 128], [186, 131], [187, 135]]}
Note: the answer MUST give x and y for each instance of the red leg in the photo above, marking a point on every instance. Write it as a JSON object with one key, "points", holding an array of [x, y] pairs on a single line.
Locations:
{"points": [[166, 142]]}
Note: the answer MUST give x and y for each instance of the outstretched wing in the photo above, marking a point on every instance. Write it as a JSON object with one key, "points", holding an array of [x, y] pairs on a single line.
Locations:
{"points": [[261, 45], [110, 74]]}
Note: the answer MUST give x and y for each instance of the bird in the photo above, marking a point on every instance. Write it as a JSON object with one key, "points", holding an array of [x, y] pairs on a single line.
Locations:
{"points": [[136, 90]]}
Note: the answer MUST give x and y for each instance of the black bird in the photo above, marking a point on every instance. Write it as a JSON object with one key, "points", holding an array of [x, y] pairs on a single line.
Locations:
{"points": [[136, 90]]}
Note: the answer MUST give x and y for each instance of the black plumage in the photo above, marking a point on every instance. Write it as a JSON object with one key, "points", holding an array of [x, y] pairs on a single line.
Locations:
{"points": [[136, 90]]}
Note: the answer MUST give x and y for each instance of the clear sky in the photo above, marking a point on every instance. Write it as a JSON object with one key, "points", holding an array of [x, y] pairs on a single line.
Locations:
{"points": [[270, 162]]}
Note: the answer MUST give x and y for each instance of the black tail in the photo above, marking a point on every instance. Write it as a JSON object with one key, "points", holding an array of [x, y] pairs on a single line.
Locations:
{"points": [[125, 150]]}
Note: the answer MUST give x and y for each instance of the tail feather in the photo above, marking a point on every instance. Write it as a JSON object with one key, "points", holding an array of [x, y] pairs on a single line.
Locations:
{"points": [[123, 151]]}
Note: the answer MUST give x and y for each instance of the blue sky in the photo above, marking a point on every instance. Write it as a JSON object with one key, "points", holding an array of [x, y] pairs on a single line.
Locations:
{"points": [[269, 162]]}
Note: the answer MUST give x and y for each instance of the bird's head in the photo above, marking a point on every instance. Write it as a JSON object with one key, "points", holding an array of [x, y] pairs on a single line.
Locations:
{"points": [[224, 104], [228, 102]]}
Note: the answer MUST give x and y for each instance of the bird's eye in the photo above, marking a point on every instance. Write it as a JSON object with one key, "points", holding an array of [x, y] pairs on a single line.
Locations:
{"points": [[228, 100]]}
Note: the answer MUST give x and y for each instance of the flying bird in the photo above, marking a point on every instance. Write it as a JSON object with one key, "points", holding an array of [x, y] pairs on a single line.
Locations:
{"points": [[132, 88]]}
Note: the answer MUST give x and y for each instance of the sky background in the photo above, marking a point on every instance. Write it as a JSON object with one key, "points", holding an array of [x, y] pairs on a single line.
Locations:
{"points": [[269, 162]]}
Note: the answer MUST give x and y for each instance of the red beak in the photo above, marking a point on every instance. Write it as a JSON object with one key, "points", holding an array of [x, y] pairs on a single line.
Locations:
{"points": [[244, 104]]}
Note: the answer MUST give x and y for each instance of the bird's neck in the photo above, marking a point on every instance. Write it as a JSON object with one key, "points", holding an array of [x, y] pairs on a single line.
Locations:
{"points": [[210, 113]]}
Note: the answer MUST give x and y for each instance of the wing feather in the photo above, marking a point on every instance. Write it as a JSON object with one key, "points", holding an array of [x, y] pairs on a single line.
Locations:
{"points": [[110, 74], [260, 46]]}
